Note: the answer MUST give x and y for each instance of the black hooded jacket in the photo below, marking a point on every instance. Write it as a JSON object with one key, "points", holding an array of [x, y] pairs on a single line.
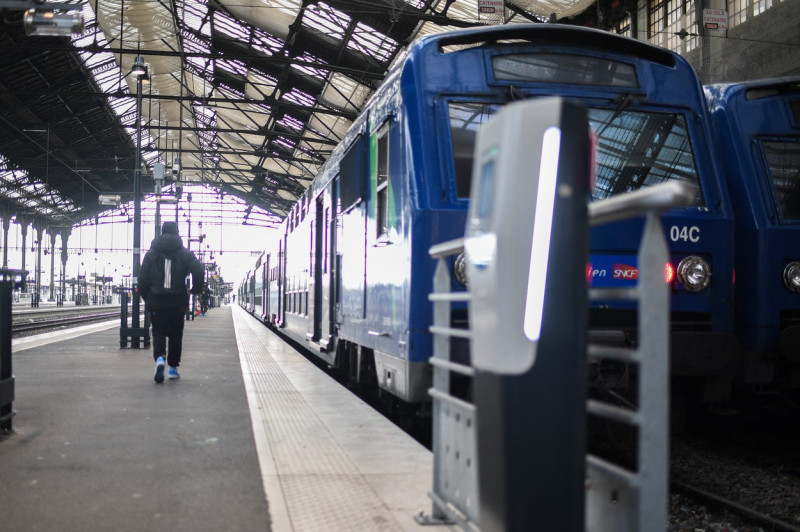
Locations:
{"points": [[171, 246]]}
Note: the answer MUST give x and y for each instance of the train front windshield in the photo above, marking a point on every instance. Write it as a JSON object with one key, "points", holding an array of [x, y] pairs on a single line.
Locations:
{"points": [[782, 158], [635, 149]]}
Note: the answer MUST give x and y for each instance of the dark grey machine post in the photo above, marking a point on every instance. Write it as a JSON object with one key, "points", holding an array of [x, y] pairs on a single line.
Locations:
{"points": [[530, 389], [8, 280]]}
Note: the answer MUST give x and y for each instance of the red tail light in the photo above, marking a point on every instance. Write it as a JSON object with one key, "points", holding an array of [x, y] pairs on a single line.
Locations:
{"points": [[669, 273]]}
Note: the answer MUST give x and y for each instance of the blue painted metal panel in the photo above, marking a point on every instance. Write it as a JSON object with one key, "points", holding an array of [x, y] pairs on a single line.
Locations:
{"points": [[746, 117]]}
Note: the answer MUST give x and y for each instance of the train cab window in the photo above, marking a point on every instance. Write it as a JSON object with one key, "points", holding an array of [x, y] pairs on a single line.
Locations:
{"points": [[638, 149], [635, 149], [382, 184], [783, 163], [465, 119], [794, 107]]}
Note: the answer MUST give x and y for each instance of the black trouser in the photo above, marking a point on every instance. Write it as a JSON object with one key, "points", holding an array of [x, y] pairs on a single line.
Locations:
{"points": [[167, 323]]}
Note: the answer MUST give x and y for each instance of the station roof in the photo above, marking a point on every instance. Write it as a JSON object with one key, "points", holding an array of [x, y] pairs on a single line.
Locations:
{"points": [[249, 96]]}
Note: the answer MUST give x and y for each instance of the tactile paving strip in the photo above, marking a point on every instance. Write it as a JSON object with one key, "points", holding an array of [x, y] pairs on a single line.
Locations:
{"points": [[321, 487]]}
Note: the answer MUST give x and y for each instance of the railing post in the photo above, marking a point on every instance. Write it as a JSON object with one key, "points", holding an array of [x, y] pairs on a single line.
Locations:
{"points": [[7, 282], [123, 325], [139, 336]]}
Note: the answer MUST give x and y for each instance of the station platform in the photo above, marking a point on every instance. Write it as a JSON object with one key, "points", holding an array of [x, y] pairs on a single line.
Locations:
{"points": [[252, 437]]}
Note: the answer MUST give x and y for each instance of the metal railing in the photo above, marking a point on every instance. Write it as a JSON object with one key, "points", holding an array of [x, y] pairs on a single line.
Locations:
{"points": [[455, 468], [620, 498], [617, 498]]}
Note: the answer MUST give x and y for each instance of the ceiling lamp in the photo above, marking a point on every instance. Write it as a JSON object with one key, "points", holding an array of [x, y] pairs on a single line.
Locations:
{"points": [[50, 23], [139, 68]]}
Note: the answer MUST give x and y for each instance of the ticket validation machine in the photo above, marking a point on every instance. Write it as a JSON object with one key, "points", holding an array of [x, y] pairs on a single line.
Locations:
{"points": [[526, 245]]}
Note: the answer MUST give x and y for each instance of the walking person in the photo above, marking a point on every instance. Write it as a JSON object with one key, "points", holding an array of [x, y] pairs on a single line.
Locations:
{"points": [[162, 286]]}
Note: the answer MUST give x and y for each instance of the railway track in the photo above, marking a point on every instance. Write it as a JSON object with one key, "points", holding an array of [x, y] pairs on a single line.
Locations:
{"points": [[743, 468], [49, 320], [718, 502]]}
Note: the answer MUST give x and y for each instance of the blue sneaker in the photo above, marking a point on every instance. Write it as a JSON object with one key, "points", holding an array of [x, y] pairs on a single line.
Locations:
{"points": [[173, 373], [159, 376]]}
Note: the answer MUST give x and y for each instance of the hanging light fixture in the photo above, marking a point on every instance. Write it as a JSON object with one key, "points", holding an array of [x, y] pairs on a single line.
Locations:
{"points": [[47, 22], [139, 68]]}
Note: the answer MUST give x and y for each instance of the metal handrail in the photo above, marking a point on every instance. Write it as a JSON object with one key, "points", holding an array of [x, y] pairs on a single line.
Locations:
{"points": [[655, 199]]}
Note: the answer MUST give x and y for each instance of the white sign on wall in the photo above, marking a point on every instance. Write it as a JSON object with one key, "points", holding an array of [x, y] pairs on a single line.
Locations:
{"points": [[491, 9], [715, 19]]}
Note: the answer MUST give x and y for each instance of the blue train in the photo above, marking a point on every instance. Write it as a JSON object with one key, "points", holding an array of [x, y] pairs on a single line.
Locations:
{"points": [[350, 276], [756, 129]]}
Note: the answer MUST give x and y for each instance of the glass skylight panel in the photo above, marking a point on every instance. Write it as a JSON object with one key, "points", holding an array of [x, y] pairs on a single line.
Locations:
{"points": [[194, 15], [290, 7], [312, 153], [466, 11], [199, 66], [206, 114], [100, 62], [299, 97], [372, 43], [233, 66], [327, 20], [292, 123], [32, 192], [193, 44], [226, 25], [312, 71], [286, 143], [266, 43], [107, 80], [230, 91]]}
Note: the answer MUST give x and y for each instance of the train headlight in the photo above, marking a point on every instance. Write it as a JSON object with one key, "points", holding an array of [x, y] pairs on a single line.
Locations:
{"points": [[694, 273], [791, 276], [460, 269]]}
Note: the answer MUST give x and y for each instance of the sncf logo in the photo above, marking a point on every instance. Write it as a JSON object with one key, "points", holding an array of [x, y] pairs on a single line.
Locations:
{"points": [[623, 271]]}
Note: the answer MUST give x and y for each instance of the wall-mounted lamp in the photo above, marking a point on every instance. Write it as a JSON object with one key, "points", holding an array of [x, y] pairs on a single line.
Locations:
{"points": [[49, 23], [108, 199], [139, 68]]}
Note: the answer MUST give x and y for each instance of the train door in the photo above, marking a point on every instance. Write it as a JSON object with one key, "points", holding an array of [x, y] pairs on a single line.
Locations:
{"points": [[388, 252], [329, 270], [316, 254], [265, 309], [322, 289], [281, 306]]}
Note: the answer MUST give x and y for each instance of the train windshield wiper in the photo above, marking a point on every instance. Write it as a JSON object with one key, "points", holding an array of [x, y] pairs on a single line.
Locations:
{"points": [[625, 102]]}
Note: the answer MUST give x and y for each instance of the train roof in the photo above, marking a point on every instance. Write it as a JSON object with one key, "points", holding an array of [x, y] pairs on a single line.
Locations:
{"points": [[555, 34], [761, 88]]}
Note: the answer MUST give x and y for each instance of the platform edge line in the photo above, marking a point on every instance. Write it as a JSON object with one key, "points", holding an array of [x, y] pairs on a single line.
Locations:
{"points": [[273, 489]]}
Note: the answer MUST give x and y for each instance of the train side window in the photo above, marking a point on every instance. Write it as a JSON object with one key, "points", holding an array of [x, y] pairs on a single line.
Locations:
{"points": [[352, 174], [382, 184]]}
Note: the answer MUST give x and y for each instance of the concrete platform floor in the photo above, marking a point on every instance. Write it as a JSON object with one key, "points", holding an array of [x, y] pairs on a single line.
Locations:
{"points": [[97, 445]]}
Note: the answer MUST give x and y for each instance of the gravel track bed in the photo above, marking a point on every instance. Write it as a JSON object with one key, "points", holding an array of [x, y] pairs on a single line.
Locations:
{"points": [[752, 458]]}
